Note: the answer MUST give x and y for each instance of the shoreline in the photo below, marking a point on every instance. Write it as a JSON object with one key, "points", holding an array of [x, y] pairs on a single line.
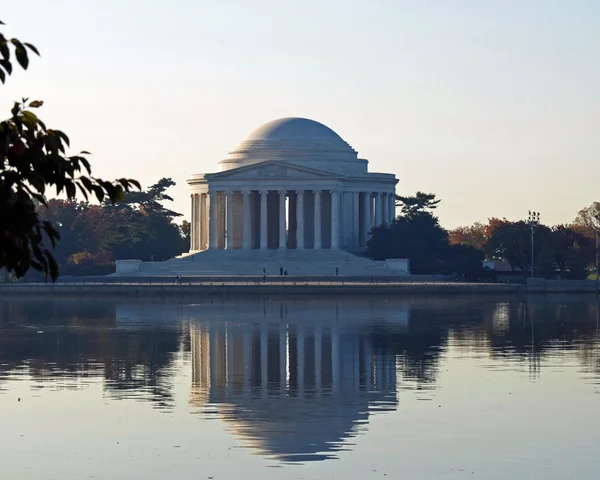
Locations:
{"points": [[297, 288]]}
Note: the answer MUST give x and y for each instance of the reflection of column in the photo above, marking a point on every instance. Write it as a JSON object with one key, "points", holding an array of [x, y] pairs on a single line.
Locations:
{"points": [[282, 229], [335, 219], [379, 370], [300, 348], [335, 358], [300, 219], [356, 360], [247, 360], [366, 227], [318, 357], [229, 359], [211, 198], [246, 220], [317, 244], [212, 352], [263, 219], [367, 350], [229, 214], [355, 219], [282, 359], [264, 359]]}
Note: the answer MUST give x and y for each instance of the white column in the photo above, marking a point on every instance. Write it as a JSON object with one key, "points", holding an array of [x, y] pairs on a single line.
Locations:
{"points": [[355, 220], [211, 198], [200, 215], [392, 212], [386, 207], [378, 218], [263, 219], [317, 220], [246, 220], [229, 213], [299, 219], [193, 224], [367, 215], [335, 219], [282, 229]]}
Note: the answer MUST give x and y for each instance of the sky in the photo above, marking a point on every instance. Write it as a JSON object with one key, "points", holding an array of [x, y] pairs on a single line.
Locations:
{"points": [[492, 105]]}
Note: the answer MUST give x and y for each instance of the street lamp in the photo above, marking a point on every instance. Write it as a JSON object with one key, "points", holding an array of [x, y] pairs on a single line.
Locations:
{"points": [[533, 221]]}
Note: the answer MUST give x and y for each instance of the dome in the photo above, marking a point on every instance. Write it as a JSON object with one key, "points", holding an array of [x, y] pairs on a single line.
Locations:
{"points": [[295, 129], [296, 140]]}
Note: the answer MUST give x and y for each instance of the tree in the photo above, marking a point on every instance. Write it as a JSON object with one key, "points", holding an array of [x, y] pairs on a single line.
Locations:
{"points": [[418, 237], [33, 159], [472, 235], [573, 252], [186, 230], [589, 217], [420, 202], [465, 261], [510, 241]]}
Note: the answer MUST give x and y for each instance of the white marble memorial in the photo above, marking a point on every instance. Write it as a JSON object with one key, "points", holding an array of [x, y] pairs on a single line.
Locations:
{"points": [[293, 195], [293, 183]]}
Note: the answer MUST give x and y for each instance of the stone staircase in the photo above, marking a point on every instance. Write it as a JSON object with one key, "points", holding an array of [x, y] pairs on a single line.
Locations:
{"points": [[252, 262]]}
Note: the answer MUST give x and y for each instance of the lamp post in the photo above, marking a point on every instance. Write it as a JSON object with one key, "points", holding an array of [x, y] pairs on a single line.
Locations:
{"points": [[533, 220]]}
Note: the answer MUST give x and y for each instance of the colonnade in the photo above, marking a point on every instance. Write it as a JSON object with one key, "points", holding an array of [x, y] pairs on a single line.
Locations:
{"points": [[288, 357], [286, 219]]}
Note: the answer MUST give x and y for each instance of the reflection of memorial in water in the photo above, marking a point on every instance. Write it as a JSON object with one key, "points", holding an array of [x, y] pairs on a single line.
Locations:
{"points": [[296, 392]]}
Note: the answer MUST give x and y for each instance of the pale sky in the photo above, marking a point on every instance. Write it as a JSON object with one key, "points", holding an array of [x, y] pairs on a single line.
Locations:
{"points": [[494, 105]]}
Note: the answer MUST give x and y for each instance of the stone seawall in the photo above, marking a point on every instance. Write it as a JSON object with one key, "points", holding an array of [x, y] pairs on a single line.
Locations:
{"points": [[258, 289], [289, 288]]}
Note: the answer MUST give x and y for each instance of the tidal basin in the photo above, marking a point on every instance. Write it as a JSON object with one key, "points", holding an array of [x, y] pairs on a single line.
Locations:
{"points": [[426, 387]]}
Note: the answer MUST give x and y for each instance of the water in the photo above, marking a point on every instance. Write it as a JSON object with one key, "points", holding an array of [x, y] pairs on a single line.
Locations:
{"points": [[353, 388]]}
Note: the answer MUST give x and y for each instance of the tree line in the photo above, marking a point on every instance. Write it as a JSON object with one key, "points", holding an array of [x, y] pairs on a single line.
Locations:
{"points": [[93, 236], [560, 251]]}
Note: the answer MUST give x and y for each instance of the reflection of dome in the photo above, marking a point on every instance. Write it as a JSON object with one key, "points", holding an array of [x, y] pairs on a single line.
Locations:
{"points": [[292, 393], [293, 429], [288, 139]]}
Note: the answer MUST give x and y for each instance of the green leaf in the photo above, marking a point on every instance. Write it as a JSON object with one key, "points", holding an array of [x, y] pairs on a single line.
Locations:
{"points": [[30, 118], [36, 103], [6, 65], [4, 50], [52, 266], [63, 136], [21, 54], [70, 189], [32, 48], [2, 76]]}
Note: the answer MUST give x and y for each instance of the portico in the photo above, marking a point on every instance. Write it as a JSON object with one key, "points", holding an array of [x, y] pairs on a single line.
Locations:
{"points": [[292, 184]]}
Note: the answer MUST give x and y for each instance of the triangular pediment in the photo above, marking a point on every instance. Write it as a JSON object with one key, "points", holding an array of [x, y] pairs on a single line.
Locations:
{"points": [[271, 169]]}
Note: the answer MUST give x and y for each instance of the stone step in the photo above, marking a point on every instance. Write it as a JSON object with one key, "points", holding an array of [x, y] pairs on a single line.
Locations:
{"points": [[252, 262]]}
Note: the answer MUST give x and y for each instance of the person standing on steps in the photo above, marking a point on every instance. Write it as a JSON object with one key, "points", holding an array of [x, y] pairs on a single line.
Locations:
{"points": [[281, 271], [337, 271]]}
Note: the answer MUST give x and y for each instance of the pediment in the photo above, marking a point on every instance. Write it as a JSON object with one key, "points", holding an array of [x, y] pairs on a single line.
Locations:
{"points": [[271, 169]]}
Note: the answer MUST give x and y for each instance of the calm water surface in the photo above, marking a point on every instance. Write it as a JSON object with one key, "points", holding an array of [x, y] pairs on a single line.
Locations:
{"points": [[414, 388]]}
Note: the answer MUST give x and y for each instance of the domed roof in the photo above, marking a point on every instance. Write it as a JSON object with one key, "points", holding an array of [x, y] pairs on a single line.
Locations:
{"points": [[298, 140], [294, 128]]}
